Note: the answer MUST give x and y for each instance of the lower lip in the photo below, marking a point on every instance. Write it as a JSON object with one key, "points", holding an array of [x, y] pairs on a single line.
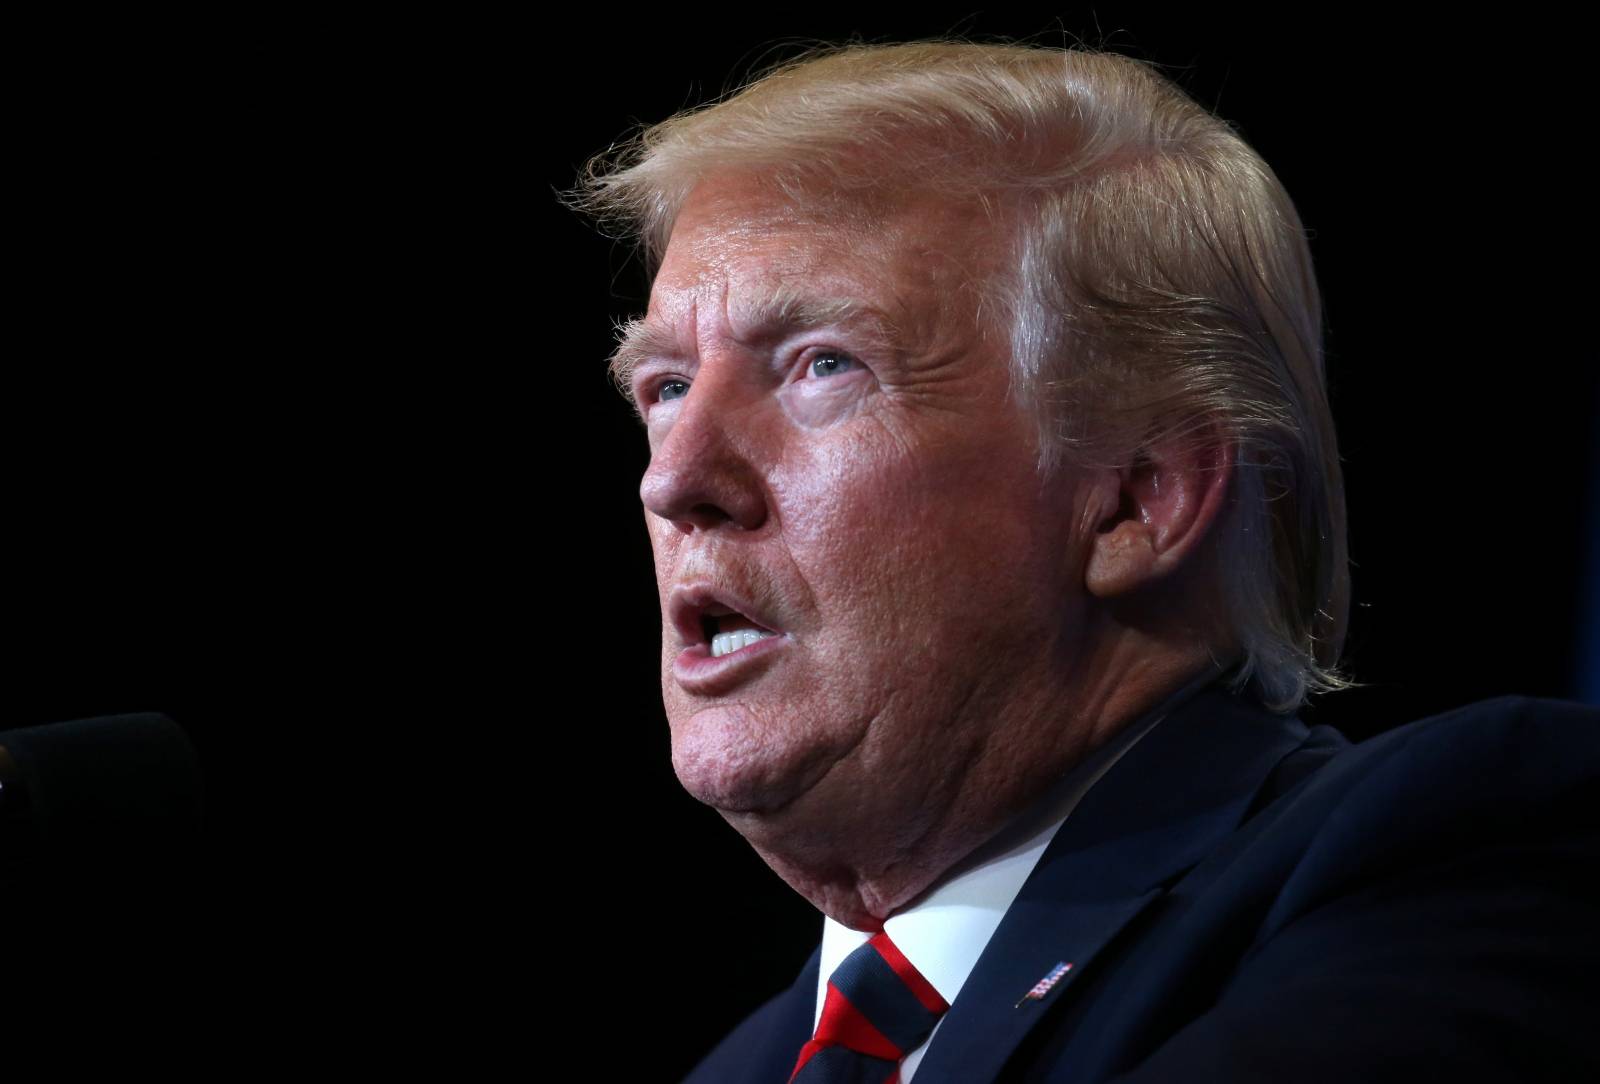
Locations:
{"points": [[697, 672]]}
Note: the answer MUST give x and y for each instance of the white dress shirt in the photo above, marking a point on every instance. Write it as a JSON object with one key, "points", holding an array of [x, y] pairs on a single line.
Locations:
{"points": [[948, 927]]}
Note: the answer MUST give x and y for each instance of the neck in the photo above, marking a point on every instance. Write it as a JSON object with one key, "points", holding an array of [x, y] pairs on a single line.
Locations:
{"points": [[860, 877]]}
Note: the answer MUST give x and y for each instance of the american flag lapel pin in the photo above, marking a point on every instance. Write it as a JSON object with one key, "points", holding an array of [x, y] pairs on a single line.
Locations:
{"points": [[1045, 985]]}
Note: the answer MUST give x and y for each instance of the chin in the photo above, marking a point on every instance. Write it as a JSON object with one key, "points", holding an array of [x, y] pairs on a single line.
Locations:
{"points": [[724, 759], [727, 780]]}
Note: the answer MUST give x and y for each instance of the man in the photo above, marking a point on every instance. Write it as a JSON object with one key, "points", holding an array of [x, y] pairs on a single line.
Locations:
{"points": [[998, 527]]}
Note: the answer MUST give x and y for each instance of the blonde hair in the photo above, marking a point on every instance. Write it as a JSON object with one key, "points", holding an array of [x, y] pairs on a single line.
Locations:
{"points": [[1162, 286]]}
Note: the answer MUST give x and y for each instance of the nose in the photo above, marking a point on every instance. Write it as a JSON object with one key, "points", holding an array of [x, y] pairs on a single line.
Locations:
{"points": [[703, 471]]}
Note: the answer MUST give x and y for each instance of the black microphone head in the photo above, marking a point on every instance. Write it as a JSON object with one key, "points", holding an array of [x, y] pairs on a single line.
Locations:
{"points": [[111, 785], [103, 899]]}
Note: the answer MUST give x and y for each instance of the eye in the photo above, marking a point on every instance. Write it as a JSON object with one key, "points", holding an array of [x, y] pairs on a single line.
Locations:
{"points": [[672, 389], [831, 362]]}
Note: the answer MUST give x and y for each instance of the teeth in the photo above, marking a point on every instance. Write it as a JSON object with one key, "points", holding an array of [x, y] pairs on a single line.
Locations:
{"points": [[725, 643]]}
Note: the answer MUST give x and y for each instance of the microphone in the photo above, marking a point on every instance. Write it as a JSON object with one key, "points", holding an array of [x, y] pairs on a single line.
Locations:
{"points": [[118, 787]]}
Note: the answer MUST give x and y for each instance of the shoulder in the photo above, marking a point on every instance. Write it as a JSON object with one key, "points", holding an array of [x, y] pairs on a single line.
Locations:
{"points": [[1513, 749], [1520, 725], [1411, 901], [1499, 774]]}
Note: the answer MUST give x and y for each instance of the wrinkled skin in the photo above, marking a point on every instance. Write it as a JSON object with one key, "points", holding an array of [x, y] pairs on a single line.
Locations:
{"points": [[871, 487]]}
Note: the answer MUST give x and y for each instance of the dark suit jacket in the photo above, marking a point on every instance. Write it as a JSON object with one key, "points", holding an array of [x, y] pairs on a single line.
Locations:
{"points": [[1242, 898]]}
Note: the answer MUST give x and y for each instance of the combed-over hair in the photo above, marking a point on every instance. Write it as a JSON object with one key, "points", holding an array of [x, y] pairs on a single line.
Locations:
{"points": [[1161, 287]]}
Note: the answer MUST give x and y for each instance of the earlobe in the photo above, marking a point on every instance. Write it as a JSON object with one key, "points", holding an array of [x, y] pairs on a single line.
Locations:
{"points": [[1151, 516]]}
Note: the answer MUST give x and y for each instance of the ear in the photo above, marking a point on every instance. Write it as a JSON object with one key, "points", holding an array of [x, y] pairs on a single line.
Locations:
{"points": [[1152, 516]]}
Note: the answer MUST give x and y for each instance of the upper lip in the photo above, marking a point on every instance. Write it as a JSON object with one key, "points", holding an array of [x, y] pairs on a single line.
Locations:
{"points": [[690, 604]]}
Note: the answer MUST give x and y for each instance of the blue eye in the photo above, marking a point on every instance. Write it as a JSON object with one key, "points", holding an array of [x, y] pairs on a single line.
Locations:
{"points": [[830, 362], [672, 389]]}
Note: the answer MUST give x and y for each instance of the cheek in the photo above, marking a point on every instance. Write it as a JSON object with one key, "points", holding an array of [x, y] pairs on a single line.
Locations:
{"points": [[890, 535], [842, 509]]}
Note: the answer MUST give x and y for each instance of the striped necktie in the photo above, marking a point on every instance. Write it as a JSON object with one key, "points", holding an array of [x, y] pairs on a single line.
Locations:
{"points": [[878, 1009]]}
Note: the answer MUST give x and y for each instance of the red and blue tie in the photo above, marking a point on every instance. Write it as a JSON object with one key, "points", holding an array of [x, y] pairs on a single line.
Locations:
{"points": [[878, 1009]]}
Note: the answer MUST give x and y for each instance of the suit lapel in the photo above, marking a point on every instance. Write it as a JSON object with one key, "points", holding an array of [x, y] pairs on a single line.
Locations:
{"points": [[791, 1025], [1159, 810]]}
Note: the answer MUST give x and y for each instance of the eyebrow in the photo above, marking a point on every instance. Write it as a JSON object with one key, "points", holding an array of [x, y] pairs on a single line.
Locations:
{"points": [[782, 312]]}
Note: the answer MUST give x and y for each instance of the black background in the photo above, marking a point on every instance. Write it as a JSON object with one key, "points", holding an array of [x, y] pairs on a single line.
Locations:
{"points": [[311, 448]]}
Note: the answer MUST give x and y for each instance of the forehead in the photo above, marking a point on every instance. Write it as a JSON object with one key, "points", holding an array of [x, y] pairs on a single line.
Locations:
{"points": [[740, 236]]}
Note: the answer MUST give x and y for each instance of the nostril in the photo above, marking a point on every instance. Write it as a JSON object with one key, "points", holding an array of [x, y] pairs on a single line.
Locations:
{"points": [[708, 514]]}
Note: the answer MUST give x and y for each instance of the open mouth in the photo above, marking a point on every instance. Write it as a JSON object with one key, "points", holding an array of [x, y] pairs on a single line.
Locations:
{"points": [[726, 639], [727, 630]]}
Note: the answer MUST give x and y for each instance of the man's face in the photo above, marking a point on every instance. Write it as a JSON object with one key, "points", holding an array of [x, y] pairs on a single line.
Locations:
{"points": [[838, 468]]}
